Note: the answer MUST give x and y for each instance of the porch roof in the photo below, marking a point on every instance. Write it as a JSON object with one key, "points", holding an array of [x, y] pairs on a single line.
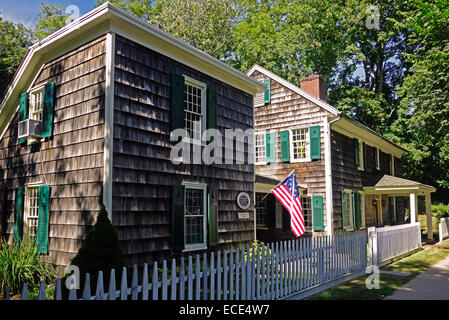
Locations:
{"points": [[389, 184]]}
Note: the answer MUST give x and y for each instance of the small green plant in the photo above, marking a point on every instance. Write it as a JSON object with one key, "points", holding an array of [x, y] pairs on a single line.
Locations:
{"points": [[440, 210], [21, 264], [260, 249]]}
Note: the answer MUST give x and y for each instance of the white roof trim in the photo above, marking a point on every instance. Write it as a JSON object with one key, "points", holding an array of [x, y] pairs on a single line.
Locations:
{"points": [[294, 88]]}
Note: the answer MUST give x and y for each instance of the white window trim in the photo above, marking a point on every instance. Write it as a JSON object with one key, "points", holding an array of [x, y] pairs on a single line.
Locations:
{"points": [[198, 246], [203, 88], [26, 208], [351, 216], [265, 146], [362, 205], [307, 158], [263, 95]]}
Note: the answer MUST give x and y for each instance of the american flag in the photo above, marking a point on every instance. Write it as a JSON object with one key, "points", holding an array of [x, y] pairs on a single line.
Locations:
{"points": [[288, 194]]}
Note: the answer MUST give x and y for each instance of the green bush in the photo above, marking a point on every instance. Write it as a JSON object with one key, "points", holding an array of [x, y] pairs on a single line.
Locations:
{"points": [[21, 264], [100, 251], [440, 210], [259, 249]]}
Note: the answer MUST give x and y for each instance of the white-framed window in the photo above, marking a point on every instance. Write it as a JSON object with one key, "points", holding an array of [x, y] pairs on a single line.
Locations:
{"points": [[307, 212], [299, 145], [195, 215], [260, 148], [36, 105], [261, 209], [31, 211], [194, 108], [361, 159], [346, 209]]}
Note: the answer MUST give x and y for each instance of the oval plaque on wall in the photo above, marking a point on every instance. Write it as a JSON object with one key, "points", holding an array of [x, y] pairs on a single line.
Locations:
{"points": [[243, 200]]}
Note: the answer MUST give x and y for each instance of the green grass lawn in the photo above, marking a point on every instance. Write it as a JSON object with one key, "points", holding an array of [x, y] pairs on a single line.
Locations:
{"points": [[414, 264]]}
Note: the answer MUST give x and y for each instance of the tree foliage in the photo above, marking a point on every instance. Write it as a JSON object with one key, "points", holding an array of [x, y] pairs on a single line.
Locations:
{"points": [[14, 41], [51, 18]]}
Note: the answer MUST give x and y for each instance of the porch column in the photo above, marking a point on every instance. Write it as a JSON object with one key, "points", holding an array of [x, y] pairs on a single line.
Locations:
{"points": [[413, 207], [429, 216]]}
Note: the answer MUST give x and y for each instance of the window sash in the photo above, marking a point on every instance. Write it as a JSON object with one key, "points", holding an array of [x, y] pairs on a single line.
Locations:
{"points": [[194, 108], [260, 148], [37, 104], [31, 211], [195, 223], [307, 212], [261, 210], [300, 144]]}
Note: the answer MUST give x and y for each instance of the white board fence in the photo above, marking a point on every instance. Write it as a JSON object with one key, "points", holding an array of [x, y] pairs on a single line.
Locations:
{"points": [[387, 243], [275, 271], [443, 228]]}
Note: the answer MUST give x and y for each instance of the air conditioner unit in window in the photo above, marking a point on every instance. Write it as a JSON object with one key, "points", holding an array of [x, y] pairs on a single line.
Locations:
{"points": [[30, 129]]}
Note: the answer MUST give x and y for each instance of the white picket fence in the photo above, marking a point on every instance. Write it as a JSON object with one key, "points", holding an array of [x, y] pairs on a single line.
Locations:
{"points": [[275, 271], [443, 228], [387, 243]]}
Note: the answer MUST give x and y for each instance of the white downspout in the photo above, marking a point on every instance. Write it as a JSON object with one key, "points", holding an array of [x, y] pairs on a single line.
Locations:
{"points": [[328, 176]]}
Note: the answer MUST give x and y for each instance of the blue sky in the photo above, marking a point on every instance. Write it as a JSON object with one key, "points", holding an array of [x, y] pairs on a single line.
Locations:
{"points": [[26, 11]]}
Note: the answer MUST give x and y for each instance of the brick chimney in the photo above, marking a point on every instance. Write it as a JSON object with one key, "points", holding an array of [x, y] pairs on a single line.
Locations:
{"points": [[314, 85]]}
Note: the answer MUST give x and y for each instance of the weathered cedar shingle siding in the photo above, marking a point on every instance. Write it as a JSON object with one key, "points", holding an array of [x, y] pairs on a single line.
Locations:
{"points": [[71, 161], [288, 110], [142, 171], [345, 175]]}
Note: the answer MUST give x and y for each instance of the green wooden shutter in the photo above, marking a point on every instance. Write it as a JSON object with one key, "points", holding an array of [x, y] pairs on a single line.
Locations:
{"points": [[285, 146], [267, 94], [356, 152], [345, 210], [18, 215], [211, 108], [48, 109], [365, 166], [23, 110], [315, 142], [376, 159], [43, 219], [270, 148], [177, 102], [177, 235], [213, 216], [356, 210], [318, 213]]}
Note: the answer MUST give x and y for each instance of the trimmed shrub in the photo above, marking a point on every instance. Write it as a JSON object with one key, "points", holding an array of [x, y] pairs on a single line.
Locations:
{"points": [[440, 210], [100, 251], [21, 264]]}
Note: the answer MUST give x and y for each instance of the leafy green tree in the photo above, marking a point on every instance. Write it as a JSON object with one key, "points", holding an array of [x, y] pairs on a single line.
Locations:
{"points": [[14, 41], [51, 18], [205, 24], [424, 109]]}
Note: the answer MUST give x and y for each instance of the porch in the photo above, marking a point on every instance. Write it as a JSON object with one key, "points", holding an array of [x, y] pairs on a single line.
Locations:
{"points": [[387, 197]]}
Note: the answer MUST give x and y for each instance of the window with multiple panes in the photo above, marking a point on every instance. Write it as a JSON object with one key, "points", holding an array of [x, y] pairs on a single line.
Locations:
{"points": [[36, 104], [31, 211], [299, 144], [195, 216], [260, 148], [307, 212], [261, 209], [194, 107]]}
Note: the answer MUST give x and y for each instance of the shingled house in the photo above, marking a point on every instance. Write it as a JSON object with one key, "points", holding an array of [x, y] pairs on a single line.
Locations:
{"points": [[87, 121], [351, 177]]}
